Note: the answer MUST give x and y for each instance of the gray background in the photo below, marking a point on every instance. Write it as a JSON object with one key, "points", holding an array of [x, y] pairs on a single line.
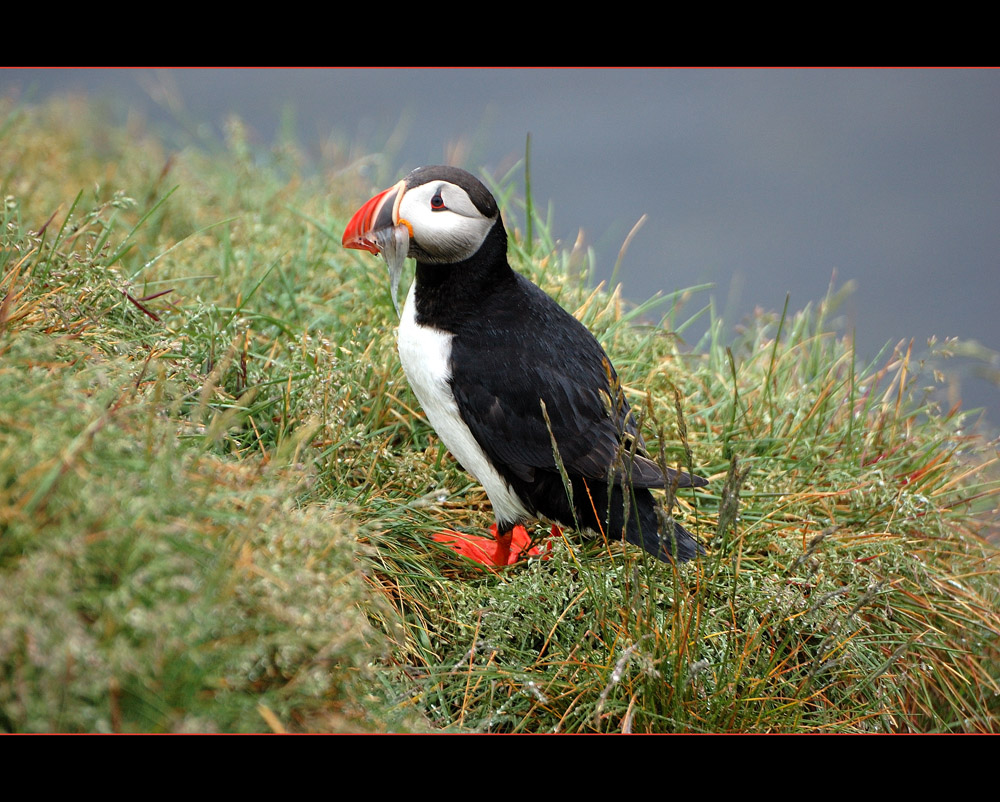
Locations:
{"points": [[762, 182]]}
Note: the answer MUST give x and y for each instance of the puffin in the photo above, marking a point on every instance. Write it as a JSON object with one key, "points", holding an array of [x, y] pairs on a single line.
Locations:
{"points": [[517, 388]]}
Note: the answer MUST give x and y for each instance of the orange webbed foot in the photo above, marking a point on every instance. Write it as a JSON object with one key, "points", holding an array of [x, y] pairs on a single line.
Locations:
{"points": [[493, 552]]}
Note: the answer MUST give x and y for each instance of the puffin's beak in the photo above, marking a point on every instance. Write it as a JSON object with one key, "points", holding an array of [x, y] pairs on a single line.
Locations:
{"points": [[379, 213]]}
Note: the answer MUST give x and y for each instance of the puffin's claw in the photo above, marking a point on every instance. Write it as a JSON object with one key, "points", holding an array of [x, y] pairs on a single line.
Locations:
{"points": [[497, 551]]}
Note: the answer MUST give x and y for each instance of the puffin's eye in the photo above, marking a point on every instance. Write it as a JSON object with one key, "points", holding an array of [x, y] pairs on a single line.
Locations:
{"points": [[437, 202]]}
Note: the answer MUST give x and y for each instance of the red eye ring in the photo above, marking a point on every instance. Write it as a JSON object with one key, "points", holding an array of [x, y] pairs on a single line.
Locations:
{"points": [[437, 202]]}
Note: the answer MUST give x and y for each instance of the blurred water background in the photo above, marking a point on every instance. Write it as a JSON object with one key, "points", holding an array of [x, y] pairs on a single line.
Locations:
{"points": [[764, 183]]}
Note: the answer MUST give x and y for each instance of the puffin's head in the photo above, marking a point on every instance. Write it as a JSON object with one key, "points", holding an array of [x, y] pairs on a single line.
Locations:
{"points": [[446, 211]]}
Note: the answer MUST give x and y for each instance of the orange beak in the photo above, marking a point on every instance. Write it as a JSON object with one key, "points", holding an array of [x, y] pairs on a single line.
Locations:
{"points": [[380, 212]]}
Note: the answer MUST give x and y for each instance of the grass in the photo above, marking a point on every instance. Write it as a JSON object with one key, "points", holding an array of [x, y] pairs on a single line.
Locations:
{"points": [[217, 491]]}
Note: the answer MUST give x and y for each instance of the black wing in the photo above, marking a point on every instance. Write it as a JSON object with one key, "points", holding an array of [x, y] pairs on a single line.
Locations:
{"points": [[525, 349]]}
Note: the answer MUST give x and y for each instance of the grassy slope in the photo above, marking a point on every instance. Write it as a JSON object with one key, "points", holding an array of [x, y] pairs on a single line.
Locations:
{"points": [[215, 503]]}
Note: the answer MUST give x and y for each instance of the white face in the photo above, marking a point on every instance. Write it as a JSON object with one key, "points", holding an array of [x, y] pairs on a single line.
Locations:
{"points": [[447, 227]]}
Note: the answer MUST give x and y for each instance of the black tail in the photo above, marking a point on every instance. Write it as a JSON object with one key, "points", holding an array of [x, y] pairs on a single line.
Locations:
{"points": [[545, 494], [643, 527]]}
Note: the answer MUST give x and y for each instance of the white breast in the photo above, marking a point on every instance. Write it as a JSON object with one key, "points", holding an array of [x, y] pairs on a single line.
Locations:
{"points": [[426, 356]]}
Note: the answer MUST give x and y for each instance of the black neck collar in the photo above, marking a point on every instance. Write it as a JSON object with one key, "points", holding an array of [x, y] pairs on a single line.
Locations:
{"points": [[448, 295]]}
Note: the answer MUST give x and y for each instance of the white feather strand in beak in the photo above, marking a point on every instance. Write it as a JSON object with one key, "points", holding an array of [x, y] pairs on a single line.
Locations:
{"points": [[393, 244]]}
